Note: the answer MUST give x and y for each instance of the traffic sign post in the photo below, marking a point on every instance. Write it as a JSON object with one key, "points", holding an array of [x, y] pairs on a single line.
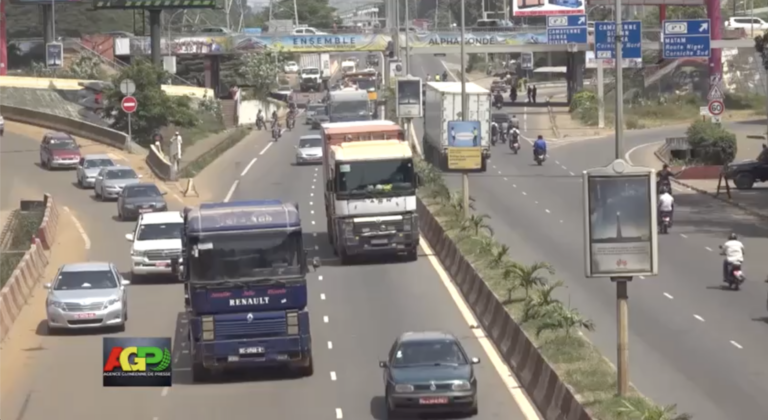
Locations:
{"points": [[631, 40], [716, 108], [571, 29], [129, 105], [686, 38]]}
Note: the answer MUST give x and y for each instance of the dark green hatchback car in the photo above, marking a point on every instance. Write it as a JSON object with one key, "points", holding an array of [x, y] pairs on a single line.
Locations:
{"points": [[429, 372]]}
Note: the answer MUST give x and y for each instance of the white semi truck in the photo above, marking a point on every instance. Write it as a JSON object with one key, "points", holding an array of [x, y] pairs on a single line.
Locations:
{"points": [[442, 105]]}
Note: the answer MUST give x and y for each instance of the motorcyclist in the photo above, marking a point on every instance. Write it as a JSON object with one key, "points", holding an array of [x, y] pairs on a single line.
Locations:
{"points": [[663, 178], [494, 131], [514, 135], [733, 250], [666, 204], [498, 98], [504, 131], [514, 122], [291, 118], [445, 75], [260, 119], [274, 118], [277, 131], [539, 147], [429, 77]]}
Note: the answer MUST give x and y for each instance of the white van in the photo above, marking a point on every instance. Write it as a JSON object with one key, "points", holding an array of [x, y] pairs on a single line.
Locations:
{"points": [[747, 23], [348, 67]]}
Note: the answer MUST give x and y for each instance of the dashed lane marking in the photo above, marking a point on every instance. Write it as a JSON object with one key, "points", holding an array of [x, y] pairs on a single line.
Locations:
{"points": [[247, 168]]}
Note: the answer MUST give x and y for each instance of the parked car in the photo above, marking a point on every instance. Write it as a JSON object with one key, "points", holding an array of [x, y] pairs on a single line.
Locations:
{"points": [[312, 110], [747, 23], [59, 150], [88, 168], [86, 295], [308, 31], [309, 149], [136, 199], [111, 180], [291, 67], [745, 174]]}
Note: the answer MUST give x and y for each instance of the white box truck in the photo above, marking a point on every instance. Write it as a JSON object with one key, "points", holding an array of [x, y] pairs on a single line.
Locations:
{"points": [[443, 104]]}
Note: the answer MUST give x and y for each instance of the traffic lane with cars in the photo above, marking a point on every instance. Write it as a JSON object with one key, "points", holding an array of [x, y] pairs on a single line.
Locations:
{"points": [[17, 176], [666, 330], [57, 383], [360, 310]]}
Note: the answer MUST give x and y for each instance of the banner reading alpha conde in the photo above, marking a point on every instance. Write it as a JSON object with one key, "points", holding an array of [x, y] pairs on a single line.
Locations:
{"points": [[441, 39]]}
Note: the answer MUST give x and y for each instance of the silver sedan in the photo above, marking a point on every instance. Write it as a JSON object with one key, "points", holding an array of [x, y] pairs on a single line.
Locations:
{"points": [[111, 180], [88, 169], [87, 295]]}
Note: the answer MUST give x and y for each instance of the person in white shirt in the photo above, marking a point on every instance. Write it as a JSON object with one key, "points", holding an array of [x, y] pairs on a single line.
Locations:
{"points": [[666, 205], [733, 250]]}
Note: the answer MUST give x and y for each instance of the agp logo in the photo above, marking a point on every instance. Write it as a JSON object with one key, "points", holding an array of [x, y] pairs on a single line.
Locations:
{"points": [[137, 362]]}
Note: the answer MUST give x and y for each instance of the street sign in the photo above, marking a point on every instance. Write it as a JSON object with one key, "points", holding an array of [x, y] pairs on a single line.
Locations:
{"points": [[631, 42], [716, 119], [129, 104], [686, 38], [715, 94], [715, 79], [127, 87], [571, 29], [526, 61], [716, 107], [704, 111], [54, 55]]}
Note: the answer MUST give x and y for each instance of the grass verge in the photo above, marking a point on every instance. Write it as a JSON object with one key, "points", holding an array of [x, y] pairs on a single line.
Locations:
{"points": [[197, 165], [26, 225], [527, 293]]}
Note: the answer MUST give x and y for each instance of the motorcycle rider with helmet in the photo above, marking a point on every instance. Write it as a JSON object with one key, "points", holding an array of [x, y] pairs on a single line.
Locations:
{"points": [[733, 250], [494, 132], [666, 204], [539, 147], [498, 99]]}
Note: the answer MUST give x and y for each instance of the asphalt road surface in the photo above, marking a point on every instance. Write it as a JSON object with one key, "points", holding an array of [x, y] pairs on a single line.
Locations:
{"points": [[356, 313], [691, 342]]}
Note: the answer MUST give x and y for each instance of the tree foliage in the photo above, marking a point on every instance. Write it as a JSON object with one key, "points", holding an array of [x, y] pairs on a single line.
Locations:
{"points": [[257, 71], [85, 66], [315, 13], [155, 108], [710, 143]]}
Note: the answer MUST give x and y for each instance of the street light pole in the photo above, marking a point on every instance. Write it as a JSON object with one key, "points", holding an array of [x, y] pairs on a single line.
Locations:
{"points": [[407, 43], [464, 109]]}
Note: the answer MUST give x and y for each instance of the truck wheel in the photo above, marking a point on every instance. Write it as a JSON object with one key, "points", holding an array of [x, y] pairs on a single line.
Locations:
{"points": [[744, 181], [484, 165], [412, 255]]}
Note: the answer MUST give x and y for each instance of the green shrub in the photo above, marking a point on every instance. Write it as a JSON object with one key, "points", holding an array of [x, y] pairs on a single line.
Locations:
{"points": [[26, 226], [737, 101], [711, 144]]}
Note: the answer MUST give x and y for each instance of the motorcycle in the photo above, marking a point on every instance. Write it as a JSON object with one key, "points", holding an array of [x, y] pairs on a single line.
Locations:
{"points": [[514, 145], [504, 136], [665, 223], [494, 139], [498, 103], [260, 124], [276, 133], [539, 157], [290, 123], [735, 275]]}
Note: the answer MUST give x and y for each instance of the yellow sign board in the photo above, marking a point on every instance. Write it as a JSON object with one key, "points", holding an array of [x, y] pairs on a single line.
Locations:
{"points": [[465, 158]]}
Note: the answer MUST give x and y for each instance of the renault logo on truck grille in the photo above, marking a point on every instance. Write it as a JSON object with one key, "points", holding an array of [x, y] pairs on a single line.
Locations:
{"points": [[432, 386], [249, 318]]}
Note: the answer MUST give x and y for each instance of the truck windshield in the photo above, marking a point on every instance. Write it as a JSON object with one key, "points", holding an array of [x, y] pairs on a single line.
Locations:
{"points": [[349, 108], [366, 84], [246, 257], [392, 178]]}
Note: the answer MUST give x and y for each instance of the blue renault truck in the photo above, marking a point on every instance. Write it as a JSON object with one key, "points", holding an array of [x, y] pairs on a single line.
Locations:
{"points": [[244, 269]]}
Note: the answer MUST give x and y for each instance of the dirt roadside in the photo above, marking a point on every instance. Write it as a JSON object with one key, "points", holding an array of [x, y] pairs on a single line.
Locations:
{"points": [[23, 346]]}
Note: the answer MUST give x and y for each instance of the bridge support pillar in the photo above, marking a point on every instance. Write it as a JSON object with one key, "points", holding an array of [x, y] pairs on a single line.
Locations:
{"points": [[715, 59], [46, 15], [155, 36], [212, 71], [574, 74]]}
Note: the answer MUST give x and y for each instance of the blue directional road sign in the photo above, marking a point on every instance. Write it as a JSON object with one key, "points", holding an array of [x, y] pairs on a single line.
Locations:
{"points": [[631, 40], [571, 29], [686, 38]]}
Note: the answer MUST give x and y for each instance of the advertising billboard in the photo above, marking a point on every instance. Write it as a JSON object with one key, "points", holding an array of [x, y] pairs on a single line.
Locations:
{"points": [[548, 7]]}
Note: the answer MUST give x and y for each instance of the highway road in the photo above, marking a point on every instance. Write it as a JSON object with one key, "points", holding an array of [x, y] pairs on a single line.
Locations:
{"points": [[691, 343], [356, 313]]}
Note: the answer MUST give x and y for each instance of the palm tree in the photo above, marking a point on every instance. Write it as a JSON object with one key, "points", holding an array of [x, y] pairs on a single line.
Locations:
{"points": [[476, 224], [486, 247], [565, 319], [510, 283], [439, 192], [529, 275], [655, 412], [542, 302], [497, 256]]}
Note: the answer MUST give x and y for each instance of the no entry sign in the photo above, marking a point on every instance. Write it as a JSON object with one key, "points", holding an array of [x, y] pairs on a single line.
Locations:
{"points": [[716, 107], [129, 104]]}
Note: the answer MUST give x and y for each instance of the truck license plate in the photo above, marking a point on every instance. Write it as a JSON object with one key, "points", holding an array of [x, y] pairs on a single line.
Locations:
{"points": [[379, 241], [252, 350]]}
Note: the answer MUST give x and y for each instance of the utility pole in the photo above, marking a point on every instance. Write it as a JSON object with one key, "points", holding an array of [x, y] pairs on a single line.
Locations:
{"points": [[622, 298], [407, 43], [270, 10], [295, 13], [600, 94], [464, 110]]}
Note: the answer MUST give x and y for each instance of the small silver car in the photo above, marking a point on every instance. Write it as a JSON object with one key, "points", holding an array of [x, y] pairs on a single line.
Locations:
{"points": [[87, 295], [88, 168], [309, 150], [111, 180]]}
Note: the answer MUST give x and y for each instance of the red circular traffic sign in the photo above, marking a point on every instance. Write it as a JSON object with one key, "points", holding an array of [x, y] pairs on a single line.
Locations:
{"points": [[129, 104], [716, 107]]}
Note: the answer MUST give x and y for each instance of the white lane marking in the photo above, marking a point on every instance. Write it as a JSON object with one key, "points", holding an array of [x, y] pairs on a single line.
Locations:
{"points": [[165, 391], [311, 212], [505, 179], [316, 247], [514, 185], [563, 166], [524, 193], [698, 317], [535, 202], [245, 171], [557, 162], [668, 295], [572, 174], [231, 191], [310, 203], [313, 222], [330, 345], [494, 166], [737, 345], [632, 150], [642, 277], [311, 194], [333, 375], [506, 375], [499, 172], [313, 187], [325, 319], [264, 150], [79, 228], [708, 248], [322, 296], [339, 414], [315, 235], [683, 235], [547, 210], [320, 278]]}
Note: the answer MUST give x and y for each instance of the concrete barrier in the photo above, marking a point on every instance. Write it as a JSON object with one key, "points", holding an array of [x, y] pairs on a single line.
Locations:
{"points": [[159, 165], [75, 127], [552, 397], [26, 277]]}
